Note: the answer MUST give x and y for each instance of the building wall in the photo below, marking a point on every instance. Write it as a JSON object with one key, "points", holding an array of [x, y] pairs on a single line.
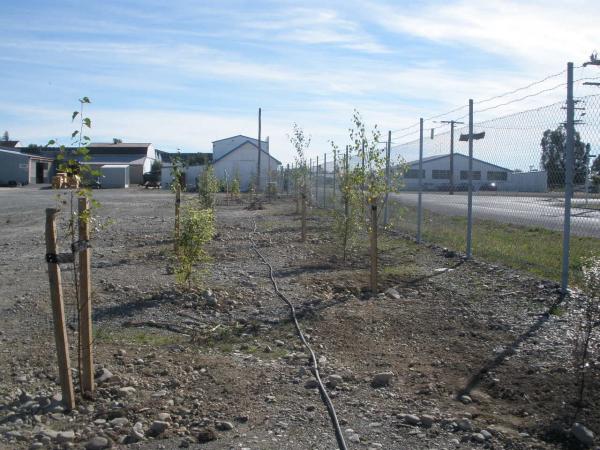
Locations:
{"points": [[244, 162], [192, 173], [222, 147], [528, 181], [461, 163], [115, 176], [136, 173], [14, 167]]}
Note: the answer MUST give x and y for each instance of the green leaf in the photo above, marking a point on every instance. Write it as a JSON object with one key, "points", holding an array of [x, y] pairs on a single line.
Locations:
{"points": [[74, 115], [87, 122], [74, 133], [85, 100], [50, 142]]}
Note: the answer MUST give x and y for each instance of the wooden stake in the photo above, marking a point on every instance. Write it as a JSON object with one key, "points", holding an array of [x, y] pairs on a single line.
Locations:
{"points": [[58, 312], [303, 238], [177, 204], [85, 302], [374, 249]]}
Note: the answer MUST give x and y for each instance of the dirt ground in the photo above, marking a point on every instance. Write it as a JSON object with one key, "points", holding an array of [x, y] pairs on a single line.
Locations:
{"points": [[481, 355]]}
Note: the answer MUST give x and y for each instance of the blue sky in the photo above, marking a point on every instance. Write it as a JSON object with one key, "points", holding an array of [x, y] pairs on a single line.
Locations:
{"points": [[181, 74]]}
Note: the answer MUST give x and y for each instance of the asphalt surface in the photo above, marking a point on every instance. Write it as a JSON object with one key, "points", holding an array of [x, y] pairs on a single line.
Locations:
{"points": [[532, 211]]}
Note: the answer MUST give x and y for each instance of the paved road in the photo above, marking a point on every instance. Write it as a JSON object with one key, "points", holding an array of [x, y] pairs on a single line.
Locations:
{"points": [[538, 211]]}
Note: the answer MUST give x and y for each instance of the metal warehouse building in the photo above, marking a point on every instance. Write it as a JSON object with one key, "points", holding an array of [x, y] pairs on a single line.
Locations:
{"points": [[436, 175], [19, 168]]}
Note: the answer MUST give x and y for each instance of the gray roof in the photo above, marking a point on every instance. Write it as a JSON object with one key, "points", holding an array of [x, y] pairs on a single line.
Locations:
{"points": [[242, 144], [240, 135], [113, 159], [447, 155], [12, 151]]}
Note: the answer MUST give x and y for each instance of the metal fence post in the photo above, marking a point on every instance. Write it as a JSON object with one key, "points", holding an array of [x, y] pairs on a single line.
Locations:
{"points": [[568, 180], [420, 198], [324, 180], [317, 183], [470, 195], [334, 175], [387, 178]]}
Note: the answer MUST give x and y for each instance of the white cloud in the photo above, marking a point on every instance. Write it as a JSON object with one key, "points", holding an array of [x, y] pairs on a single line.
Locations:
{"points": [[314, 26], [535, 34]]}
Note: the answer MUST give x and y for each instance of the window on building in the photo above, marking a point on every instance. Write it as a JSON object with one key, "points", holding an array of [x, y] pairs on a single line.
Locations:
{"points": [[440, 174], [413, 173], [496, 176], [464, 175]]}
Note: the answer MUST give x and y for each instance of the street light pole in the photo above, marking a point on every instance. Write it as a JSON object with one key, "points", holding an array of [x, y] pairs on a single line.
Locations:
{"points": [[452, 123]]}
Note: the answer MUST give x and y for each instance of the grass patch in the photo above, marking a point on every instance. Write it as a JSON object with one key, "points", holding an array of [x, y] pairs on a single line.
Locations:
{"points": [[533, 249]]}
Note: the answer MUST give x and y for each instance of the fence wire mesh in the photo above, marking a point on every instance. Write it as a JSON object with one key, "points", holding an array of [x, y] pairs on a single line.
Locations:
{"points": [[518, 179]]}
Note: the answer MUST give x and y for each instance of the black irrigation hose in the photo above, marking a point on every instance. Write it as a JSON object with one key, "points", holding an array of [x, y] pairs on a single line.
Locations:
{"points": [[315, 366]]}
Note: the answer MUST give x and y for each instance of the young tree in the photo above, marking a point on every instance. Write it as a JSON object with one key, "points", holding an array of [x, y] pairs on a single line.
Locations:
{"points": [[5, 137], [197, 229], [177, 172], [371, 182], [346, 220], [589, 323], [300, 142], [553, 159], [208, 186]]}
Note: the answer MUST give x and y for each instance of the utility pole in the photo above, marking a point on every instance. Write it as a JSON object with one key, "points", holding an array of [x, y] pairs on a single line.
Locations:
{"points": [[452, 123], [259, 152], [568, 179]]}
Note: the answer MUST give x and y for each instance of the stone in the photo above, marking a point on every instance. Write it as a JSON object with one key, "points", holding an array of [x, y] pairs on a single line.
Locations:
{"points": [[165, 417], [464, 424], [158, 427], [478, 437], [411, 419], [465, 399], [354, 438], [119, 422], [97, 443], [427, 421], [126, 391], [311, 384], [334, 381], [486, 434], [65, 436], [36, 445], [279, 343], [583, 434], [206, 435], [393, 293], [224, 426], [137, 432], [382, 379], [103, 375]]}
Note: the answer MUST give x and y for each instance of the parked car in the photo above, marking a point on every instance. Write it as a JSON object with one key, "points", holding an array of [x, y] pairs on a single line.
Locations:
{"points": [[488, 187]]}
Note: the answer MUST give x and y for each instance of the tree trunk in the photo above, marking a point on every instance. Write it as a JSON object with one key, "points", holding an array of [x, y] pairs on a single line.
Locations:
{"points": [[373, 249]]}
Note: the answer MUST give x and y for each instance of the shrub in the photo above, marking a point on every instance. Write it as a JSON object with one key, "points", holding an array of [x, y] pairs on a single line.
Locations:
{"points": [[208, 186], [197, 229]]}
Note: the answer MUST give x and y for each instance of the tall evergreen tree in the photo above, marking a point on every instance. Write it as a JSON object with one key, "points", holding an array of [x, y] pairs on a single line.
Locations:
{"points": [[553, 159]]}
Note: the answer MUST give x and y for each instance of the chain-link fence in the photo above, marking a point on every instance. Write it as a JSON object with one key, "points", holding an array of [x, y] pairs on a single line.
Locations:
{"points": [[503, 195]]}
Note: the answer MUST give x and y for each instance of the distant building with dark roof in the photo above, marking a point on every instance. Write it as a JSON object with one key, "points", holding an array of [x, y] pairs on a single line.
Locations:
{"points": [[18, 168], [138, 156]]}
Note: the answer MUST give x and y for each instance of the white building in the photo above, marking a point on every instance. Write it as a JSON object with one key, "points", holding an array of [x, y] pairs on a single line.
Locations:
{"points": [[238, 156], [190, 175], [436, 175]]}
